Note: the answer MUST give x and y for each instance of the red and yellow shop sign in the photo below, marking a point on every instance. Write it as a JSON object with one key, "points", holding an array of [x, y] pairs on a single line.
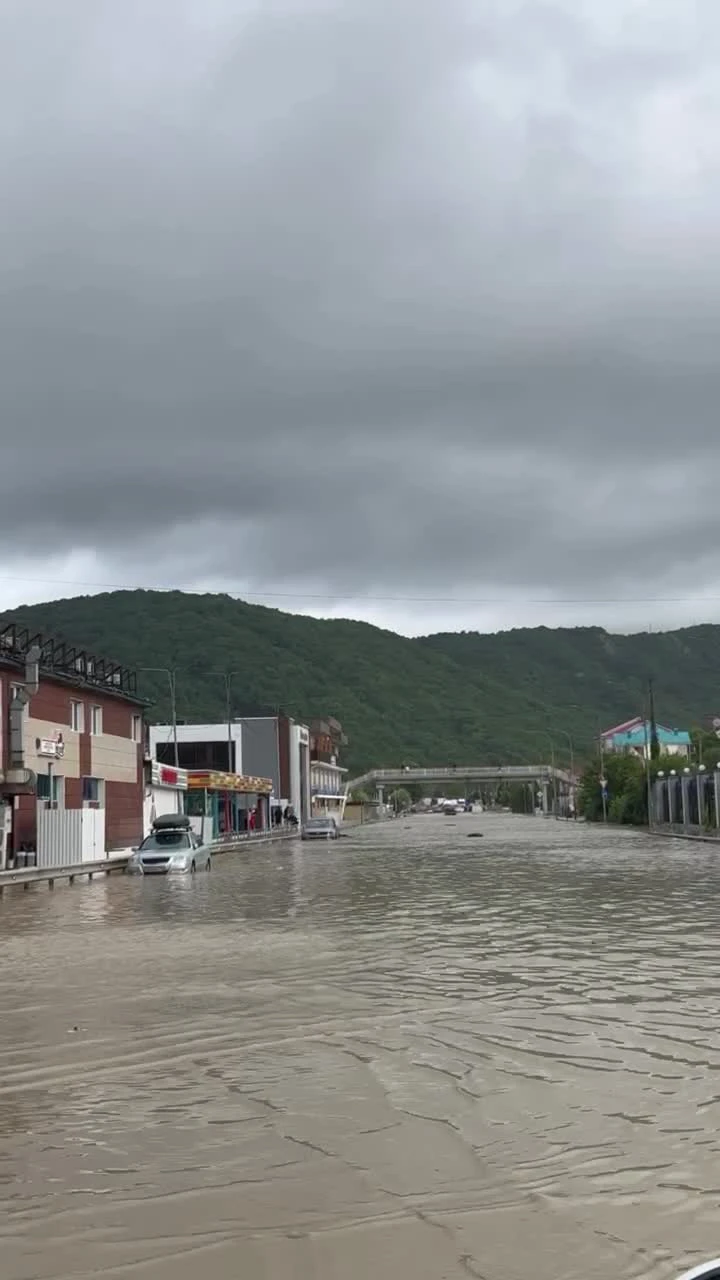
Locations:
{"points": [[215, 780]]}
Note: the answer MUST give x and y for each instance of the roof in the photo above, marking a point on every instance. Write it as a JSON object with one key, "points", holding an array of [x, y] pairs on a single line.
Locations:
{"points": [[641, 732], [621, 728], [66, 663]]}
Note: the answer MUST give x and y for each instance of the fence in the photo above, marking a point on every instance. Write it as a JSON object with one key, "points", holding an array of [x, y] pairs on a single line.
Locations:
{"points": [[70, 837]]}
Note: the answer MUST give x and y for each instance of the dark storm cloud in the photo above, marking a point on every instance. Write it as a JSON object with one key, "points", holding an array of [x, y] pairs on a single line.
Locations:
{"points": [[373, 294]]}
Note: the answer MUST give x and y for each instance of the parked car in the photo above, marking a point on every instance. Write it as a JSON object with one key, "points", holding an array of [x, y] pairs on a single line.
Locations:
{"points": [[172, 848], [320, 829]]}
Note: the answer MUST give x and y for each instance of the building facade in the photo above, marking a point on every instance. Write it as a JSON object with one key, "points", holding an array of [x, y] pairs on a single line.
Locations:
{"points": [[278, 747], [72, 739], [199, 746], [634, 737], [165, 790], [265, 747], [327, 775]]}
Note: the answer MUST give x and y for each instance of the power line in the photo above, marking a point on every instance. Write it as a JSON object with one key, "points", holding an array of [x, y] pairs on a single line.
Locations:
{"points": [[362, 596]]}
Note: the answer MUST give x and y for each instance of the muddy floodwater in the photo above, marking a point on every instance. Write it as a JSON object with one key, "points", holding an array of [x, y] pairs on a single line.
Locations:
{"points": [[407, 1054]]}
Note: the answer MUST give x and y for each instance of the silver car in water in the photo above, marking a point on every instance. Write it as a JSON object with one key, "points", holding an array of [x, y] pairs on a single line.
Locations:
{"points": [[320, 829], [172, 848]]}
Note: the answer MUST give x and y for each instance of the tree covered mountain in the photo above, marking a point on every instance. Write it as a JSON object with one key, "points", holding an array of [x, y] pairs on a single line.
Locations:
{"points": [[441, 699]]}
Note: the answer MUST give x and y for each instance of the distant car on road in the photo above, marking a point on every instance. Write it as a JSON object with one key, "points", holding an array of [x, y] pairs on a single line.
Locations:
{"points": [[320, 829], [172, 848]]}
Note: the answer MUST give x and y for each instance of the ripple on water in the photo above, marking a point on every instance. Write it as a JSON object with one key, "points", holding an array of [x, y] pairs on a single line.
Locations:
{"points": [[410, 1054]]}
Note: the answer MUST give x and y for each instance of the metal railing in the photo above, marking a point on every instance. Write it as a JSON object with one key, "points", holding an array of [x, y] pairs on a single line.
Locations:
{"points": [[463, 773]]}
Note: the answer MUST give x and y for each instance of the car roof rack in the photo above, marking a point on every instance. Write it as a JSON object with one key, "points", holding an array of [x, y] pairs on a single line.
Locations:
{"points": [[171, 822]]}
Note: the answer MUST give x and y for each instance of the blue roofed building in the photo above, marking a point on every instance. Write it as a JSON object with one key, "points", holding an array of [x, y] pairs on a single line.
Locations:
{"points": [[633, 737]]}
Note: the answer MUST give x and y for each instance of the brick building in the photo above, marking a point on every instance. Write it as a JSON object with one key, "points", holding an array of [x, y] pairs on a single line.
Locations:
{"points": [[72, 738]]}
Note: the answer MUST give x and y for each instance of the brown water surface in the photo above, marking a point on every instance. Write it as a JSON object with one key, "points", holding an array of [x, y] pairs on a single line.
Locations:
{"points": [[408, 1054]]}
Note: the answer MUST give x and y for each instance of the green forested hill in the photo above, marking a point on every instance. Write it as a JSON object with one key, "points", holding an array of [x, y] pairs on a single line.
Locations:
{"points": [[440, 699]]}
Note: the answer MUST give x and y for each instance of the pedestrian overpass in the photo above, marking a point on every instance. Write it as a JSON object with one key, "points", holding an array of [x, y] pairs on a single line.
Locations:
{"points": [[548, 778], [460, 773]]}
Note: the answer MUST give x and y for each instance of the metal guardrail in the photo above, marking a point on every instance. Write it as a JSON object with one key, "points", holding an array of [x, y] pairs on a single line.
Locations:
{"points": [[225, 844], [26, 876]]}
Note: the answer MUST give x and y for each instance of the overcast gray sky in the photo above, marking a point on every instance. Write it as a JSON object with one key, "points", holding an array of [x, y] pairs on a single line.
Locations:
{"points": [[399, 309]]}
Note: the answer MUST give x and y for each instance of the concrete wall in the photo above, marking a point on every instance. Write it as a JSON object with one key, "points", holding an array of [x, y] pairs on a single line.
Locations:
{"points": [[113, 758]]}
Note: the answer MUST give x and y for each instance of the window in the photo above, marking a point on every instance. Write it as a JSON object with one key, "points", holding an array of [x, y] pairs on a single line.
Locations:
{"points": [[92, 790], [96, 721], [168, 840], [44, 781], [136, 729], [77, 716]]}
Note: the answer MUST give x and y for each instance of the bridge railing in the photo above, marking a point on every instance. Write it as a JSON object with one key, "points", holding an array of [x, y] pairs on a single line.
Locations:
{"points": [[460, 773]]}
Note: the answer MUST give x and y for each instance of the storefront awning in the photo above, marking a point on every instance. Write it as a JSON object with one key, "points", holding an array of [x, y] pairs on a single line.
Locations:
{"points": [[215, 780]]}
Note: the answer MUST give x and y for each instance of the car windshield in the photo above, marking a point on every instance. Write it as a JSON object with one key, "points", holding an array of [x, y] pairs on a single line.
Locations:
{"points": [[320, 824], [166, 840]]}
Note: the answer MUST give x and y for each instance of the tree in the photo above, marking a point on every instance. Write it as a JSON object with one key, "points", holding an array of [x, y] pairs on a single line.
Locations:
{"points": [[433, 700], [627, 792], [400, 799], [520, 797]]}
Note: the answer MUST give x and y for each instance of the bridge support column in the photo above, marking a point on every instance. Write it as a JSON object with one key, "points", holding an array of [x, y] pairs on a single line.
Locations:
{"points": [[545, 799], [380, 792]]}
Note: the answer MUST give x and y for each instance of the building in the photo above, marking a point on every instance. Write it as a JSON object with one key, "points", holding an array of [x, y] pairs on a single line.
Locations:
{"points": [[200, 746], [221, 804], [165, 791], [278, 747], [327, 776], [71, 750], [633, 737], [259, 747]]}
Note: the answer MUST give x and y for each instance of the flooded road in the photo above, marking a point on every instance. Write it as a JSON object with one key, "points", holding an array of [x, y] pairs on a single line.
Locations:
{"points": [[408, 1054]]}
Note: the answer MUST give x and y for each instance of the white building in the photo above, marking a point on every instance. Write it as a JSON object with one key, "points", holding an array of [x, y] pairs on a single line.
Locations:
{"points": [[273, 747], [200, 746], [164, 792], [327, 787]]}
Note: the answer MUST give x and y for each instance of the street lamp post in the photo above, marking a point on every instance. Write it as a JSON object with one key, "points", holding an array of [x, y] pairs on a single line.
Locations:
{"points": [[172, 684], [227, 679], [700, 793]]}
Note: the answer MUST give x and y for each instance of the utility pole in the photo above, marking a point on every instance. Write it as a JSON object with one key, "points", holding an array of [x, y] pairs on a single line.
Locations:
{"points": [[228, 675], [654, 740], [227, 679], [648, 780], [603, 779], [172, 684]]}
